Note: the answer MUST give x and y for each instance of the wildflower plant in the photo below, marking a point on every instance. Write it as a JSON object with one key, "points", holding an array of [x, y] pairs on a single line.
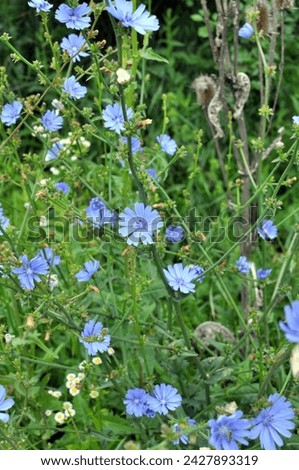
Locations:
{"points": [[148, 226]]}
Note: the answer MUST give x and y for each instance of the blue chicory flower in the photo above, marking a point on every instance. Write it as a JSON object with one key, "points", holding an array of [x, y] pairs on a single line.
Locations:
{"points": [[227, 431], [153, 174], [140, 224], [98, 213], [246, 31], [4, 221], [267, 230], [48, 255], [90, 268], [243, 265], [75, 45], [140, 20], [11, 112], [263, 273], [40, 5], [180, 429], [180, 278], [198, 273], [136, 402], [5, 404], [174, 233], [51, 121], [296, 120], [95, 338], [291, 327], [73, 88], [114, 119], [273, 421], [74, 17], [135, 143], [165, 398], [54, 151], [29, 273], [61, 186], [168, 145]]}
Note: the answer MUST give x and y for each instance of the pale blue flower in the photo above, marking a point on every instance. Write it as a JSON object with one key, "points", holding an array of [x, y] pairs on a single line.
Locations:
{"points": [[5, 404], [273, 421], [140, 20], [165, 398], [296, 120], [174, 233], [95, 338], [168, 145], [136, 402], [267, 230], [49, 256], [135, 143], [98, 213], [75, 45], [291, 327], [73, 88], [40, 5], [180, 278], [74, 17], [11, 112], [90, 268], [51, 121], [198, 273], [243, 265], [140, 224], [61, 186], [54, 151], [29, 273], [153, 174], [227, 431], [246, 31], [180, 430], [263, 273], [114, 118], [4, 221]]}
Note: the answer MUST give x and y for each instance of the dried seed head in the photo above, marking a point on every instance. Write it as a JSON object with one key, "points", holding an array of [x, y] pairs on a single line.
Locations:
{"points": [[263, 20], [241, 93], [214, 109], [208, 331], [284, 4], [205, 87]]}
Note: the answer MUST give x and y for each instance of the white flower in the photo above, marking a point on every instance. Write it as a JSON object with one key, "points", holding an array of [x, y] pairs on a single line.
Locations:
{"points": [[97, 360], [74, 391], [8, 338], [67, 405], [122, 76], [71, 376], [59, 417], [82, 365]]}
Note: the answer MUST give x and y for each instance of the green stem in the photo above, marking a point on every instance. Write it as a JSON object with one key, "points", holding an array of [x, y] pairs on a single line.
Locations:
{"points": [[280, 358]]}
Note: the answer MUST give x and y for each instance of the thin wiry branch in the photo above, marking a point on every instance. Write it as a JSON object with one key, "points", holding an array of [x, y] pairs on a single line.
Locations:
{"points": [[235, 8], [210, 33], [280, 68]]}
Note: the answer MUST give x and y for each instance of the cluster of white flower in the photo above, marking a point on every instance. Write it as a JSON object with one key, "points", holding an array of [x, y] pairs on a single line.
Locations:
{"points": [[55, 393], [73, 383], [68, 412]]}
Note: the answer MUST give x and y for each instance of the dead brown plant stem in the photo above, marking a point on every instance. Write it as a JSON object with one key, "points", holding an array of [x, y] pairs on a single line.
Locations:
{"points": [[218, 151], [210, 33], [280, 68], [235, 6]]}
